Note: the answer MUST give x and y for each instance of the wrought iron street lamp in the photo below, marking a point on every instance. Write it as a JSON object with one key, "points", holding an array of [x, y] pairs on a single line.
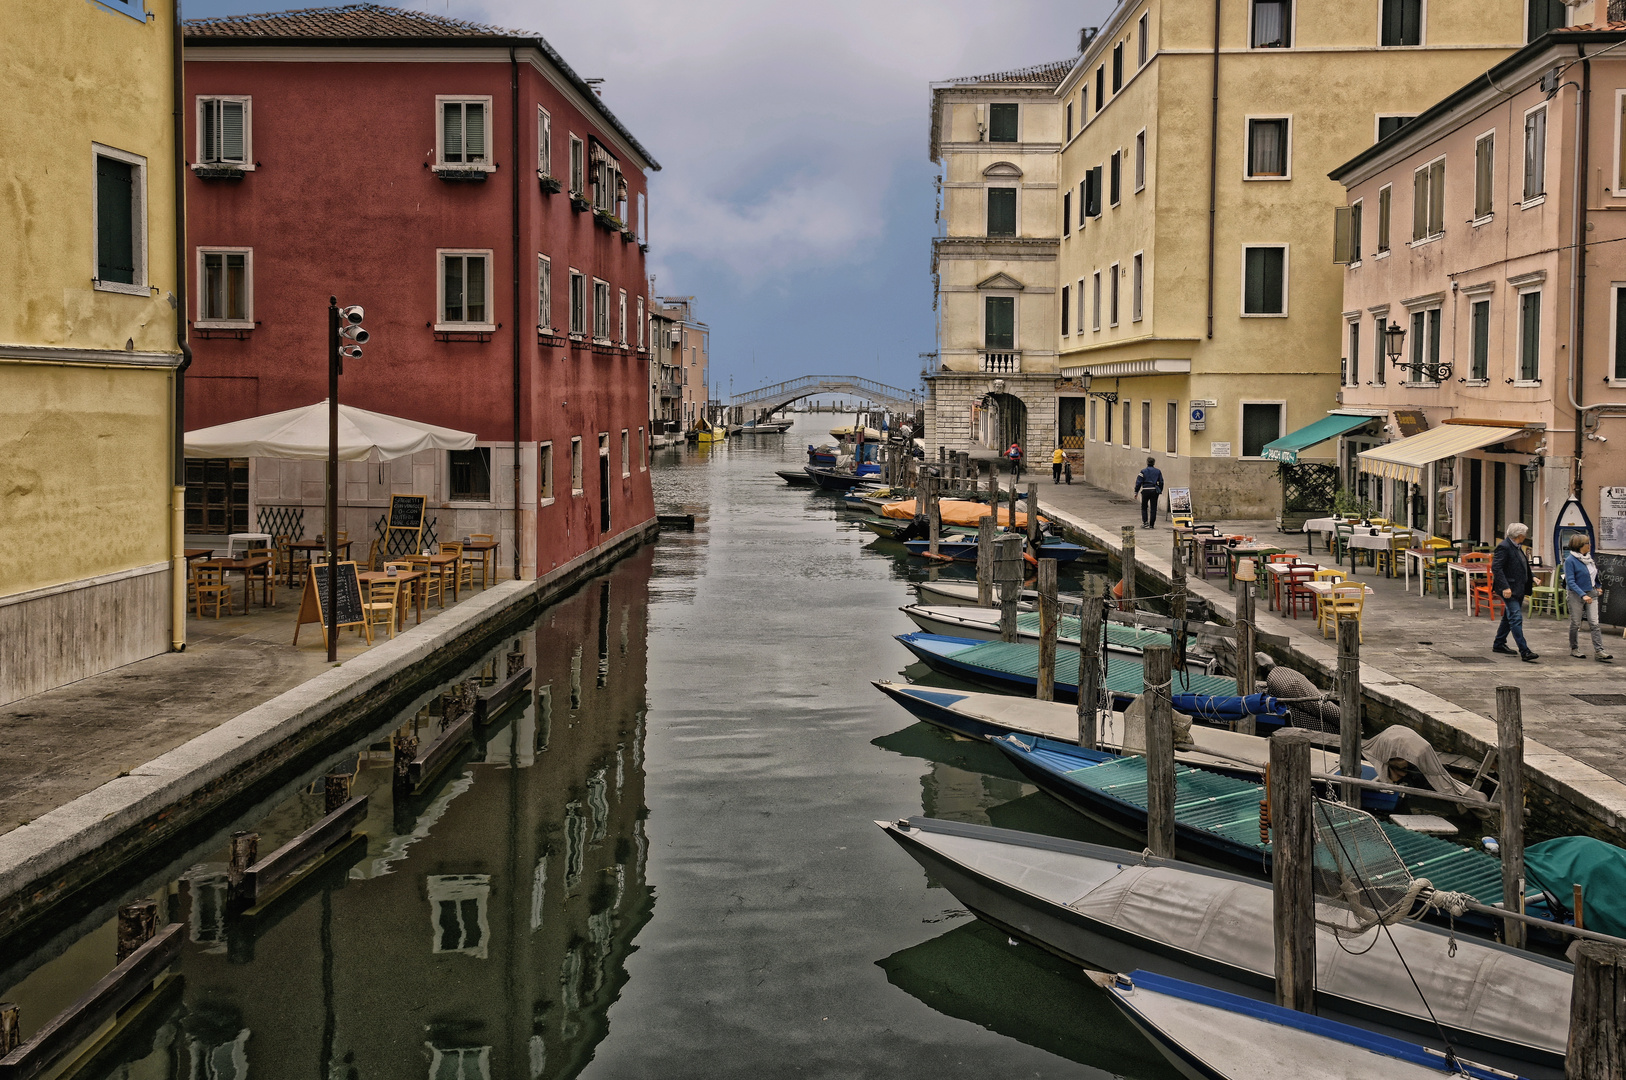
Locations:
{"points": [[1421, 370], [1109, 396]]}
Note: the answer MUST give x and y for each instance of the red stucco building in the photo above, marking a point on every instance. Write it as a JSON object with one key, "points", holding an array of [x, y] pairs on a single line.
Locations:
{"points": [[473, 193]]}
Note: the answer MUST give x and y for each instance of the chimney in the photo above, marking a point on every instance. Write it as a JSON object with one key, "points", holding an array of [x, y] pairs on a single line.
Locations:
{"points": [[1087, 34]]}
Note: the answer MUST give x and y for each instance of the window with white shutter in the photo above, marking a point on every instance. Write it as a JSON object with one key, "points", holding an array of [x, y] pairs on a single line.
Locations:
{"points": [[463, 140], [223, 131]]}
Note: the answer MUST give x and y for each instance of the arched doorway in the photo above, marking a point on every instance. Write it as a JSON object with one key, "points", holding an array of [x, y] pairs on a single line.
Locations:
{"points": [[1005, 421]]}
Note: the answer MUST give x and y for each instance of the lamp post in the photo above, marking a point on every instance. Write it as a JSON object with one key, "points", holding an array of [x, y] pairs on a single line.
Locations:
{"points": [[343, 324], [1393, 338]]}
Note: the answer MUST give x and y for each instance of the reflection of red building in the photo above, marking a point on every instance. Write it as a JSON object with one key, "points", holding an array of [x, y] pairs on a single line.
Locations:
{"points": [[378, 154]]}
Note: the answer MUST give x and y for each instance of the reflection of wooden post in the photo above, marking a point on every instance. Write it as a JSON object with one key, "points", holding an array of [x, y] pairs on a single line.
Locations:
{"points": [[1349, 704], [1008, 572], [11, 1027], [1292, 854], [1597, 1043], [1033, 519], [1244, 650], [1010, 522], [1510, 793], [138, 922], [1160, 782], [245, 847], [985, 561], [1047, 630], [1089, 670], [1129, 567], [406, 749], [335, 791]]}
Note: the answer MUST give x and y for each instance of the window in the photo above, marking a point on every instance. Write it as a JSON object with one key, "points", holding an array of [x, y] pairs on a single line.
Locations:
{"points": [[1479, 341], [640, 318], [643, 219], [1530, 336], [601, 311], [1355, 216], [999, 322], [1272, 25], [1542, 16], [544, 472], [1002, 123], [470, 473], [1388, 125], [1352, 374], [1115, 178], [1264, 280], [1079, 291], [544, 142], [578, 304], [465, 288], [578, 166], [1142, 46], [1001, 211], [576, 466], [1117, 67], [216, 495], [1112, 312], [1107, 408], [1127, 415], [1137, 290], [1380, 359], [121, 221], [1268, 148], [1140, 160], [609, 186], [1092, 419], [457, 914], [623, 317], [1100, 88], [1384, 200], [1425, 344], [1066, 309], [643, 451], [1484, 166], [1095, 323], [1069, 120], [544, 293], [223, 287], [1083, 198], [1172, 421], [1261, 425], [1092, 180], [223, 130], [1146, 425], [1402, 22], [463, 131], [626, 453], [1067, 213], [1428, 201], [1535, 153]]}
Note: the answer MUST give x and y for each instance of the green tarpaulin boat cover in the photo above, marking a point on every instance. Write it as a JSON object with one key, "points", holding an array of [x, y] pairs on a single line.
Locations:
{"points": [[1286, 449], [1599, 868]]}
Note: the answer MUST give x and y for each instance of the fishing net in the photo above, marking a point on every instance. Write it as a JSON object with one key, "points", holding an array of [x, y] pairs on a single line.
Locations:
{"points": [[1359, 870]]}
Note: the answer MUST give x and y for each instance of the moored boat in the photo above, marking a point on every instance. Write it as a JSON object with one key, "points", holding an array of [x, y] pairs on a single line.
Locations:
{"points": [[837, 479], [794, 477]]}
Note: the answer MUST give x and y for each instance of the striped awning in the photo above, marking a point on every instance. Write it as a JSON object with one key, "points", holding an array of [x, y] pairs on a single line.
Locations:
{"points": [[1406, 459]]}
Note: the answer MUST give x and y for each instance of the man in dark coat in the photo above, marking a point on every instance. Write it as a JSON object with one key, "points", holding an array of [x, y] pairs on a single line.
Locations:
{"points": [[1510, 579], [1149, 485]]}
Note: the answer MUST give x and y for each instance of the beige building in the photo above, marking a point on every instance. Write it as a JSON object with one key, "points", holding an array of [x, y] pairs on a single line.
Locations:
{"points": [[684, 357], [1483, 297], [1197, 300], [994, 260]]}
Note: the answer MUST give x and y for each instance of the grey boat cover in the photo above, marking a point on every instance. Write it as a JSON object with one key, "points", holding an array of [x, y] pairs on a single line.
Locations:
{"points": [[1403, 744]]}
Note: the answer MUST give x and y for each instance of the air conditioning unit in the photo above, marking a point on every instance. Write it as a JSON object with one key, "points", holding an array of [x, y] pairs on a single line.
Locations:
{"points": [[674, 339]]}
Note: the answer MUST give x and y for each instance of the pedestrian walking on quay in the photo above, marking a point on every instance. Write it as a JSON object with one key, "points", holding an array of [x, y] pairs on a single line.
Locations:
{"points": [[1057, 460], [1014, 456], [1149, 486], [1581, 583], [1510, 577]]}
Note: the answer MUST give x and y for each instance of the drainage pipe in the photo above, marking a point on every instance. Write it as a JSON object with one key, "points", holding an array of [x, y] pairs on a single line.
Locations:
{"points": [[177, 510], [1213, 166], [513, 89]]}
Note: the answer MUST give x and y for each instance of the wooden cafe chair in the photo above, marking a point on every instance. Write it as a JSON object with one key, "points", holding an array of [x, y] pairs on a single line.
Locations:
{"points": [[209, 585]]}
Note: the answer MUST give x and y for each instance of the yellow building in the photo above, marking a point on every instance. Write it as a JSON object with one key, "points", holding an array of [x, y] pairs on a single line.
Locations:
{"points": [[1204, 304], [89, 340]]}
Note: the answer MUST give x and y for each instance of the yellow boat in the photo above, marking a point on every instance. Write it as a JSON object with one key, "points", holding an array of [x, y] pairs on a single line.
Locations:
{"points": [[708, 434]]}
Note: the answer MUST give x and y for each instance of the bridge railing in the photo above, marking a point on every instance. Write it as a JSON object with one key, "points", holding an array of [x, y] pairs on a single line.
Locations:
{"points": [[807, 384]]}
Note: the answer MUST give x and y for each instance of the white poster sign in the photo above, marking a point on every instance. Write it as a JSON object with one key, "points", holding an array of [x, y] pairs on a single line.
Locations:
{"points": [[1612, 519], [1219, 449]]}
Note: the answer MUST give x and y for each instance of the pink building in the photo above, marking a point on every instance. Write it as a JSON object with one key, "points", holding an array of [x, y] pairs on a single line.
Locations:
{"points": [[1484, 352], [473, 193]]}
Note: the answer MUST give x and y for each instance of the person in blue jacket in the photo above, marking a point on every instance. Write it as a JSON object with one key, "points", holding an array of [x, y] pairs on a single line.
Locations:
{"points": [[1510, 577], [1149, 486], [1581, 583]]}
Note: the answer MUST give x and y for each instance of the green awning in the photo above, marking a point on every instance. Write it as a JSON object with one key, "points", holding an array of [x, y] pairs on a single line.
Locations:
{"points": [[1286, 449]]}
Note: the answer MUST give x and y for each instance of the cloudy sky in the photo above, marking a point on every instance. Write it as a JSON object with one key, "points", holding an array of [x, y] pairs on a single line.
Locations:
{"points": [[795, 201]]}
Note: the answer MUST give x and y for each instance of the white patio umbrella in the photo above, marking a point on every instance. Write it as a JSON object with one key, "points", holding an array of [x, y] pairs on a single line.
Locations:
{"points": [[302, 433]]}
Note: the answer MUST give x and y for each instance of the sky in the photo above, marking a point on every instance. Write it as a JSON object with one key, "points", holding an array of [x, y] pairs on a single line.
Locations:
{"points": [[795, 201]]}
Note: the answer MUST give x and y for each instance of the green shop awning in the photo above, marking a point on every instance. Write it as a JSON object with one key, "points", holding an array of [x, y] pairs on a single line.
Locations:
{"points": [[1286, 449]]}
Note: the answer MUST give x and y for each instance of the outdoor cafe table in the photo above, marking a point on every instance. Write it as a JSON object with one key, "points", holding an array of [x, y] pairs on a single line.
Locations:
{"points": [[1275, 570], [487, 550], [411, 578], [1320, 525], [1365, 541], [1468, 571], [1253, 549], [316, 547], [248, 568]]}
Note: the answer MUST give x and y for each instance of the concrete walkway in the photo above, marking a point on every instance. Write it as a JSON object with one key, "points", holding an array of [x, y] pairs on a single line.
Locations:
{"points": [[1421, 663]]}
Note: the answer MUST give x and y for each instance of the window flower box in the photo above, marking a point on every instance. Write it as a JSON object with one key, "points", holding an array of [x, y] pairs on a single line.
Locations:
{"points": [[457, 175], [579, 203], [550, 185], [218, 171], [608, 220]]}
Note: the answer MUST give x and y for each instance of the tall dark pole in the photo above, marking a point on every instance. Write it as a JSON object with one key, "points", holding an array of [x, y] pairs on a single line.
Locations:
{"points": [[332, 479]]}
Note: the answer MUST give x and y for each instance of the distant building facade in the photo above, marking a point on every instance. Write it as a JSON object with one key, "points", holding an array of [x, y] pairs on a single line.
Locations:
{"points": [[996, 139], [92, 571], [522, 329], [687, 358]]}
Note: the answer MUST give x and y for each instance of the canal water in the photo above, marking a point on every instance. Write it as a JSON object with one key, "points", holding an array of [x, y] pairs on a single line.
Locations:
{"points": [[661, 864]]}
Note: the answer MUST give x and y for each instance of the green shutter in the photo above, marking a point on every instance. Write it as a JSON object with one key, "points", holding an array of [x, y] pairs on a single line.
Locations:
{"points": [[1481, 340], [1263, 288], [1343, 220], [999, 322], [1530, 335], [1484, 158], [1620, 333], [1434, 336], [115, 220], [1419, 204], [1436, 198], [1002, 123], [1001, 211]]}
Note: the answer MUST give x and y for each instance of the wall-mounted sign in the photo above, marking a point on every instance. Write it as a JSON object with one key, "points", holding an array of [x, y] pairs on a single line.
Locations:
{"points": [[1199, 417], [1611, 521], [1206, 403], [1219, 449]]}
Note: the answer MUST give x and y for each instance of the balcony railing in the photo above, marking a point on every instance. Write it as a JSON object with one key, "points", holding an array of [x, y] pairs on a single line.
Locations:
{"points": [[1000, 363]]}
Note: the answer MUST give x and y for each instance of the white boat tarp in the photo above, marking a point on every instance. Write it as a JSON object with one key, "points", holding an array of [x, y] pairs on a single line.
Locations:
{"points": [[302, 433]]}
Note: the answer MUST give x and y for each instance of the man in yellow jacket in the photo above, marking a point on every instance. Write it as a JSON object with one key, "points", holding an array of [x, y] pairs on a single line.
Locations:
{"points": [[1057, 460]]}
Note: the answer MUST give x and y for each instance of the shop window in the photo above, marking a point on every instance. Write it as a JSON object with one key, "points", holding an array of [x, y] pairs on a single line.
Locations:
{"points": [[216, 496]]}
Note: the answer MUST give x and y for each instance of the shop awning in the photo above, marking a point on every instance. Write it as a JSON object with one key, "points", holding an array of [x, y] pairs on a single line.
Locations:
{"points": [[302, 433], [1406, 459], [1286, 449]]}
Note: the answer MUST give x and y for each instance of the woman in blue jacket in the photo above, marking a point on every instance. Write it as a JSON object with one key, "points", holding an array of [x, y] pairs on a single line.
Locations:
{"points": [[1581, 582]]}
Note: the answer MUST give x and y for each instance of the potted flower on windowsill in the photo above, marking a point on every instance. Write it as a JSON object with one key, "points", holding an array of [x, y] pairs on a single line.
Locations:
{"points": [[550, 185], [608, 220]]}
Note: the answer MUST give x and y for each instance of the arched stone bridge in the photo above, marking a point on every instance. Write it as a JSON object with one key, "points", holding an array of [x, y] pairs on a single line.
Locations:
{"points": [[767, 400]]}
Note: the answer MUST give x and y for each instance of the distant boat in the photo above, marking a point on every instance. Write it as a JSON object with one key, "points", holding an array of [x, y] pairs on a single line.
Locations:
{"points": [[706, 433], [766, 427], [1212, 1035], [964, 594], [794, 477], [850, 434]]}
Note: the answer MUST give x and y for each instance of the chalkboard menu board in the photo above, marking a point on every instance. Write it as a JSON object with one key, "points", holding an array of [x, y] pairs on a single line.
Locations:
{"points": [[1612, 580], [314, 605], [406, 511]]}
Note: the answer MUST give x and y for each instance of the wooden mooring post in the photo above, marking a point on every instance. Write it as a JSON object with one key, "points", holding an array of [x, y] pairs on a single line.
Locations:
{"points": [[1160, 782], [1089, 671], [1244, 650], [11, 1027], [138, 922], [985, 561], [993, 485], [1129, 567], [1292, 855], [1510, 793], [1033, 519], [934, 520], [1047, 629], [1597, 1043], [1349, 705], [1010, 521], [1008, 572]]}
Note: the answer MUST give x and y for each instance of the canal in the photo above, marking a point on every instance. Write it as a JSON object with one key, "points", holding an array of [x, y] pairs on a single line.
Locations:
{"points": [[662, 863]]}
